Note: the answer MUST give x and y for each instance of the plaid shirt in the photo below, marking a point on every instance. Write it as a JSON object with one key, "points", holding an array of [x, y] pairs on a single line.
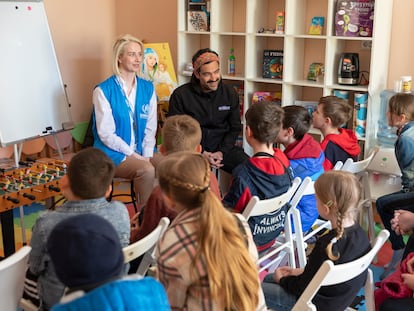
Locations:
{"points": [[175, 252]]}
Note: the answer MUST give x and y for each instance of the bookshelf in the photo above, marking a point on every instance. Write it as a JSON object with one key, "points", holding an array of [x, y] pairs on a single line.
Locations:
{"points": [[236, 24]]}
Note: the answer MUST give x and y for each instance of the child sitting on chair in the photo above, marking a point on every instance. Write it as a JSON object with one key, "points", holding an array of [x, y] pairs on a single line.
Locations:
{"points": [[85, 186], [88, 258], [206, 258], [338, 198], [305, 155], [338, 143], [266, 174], [179, 133], [400, 114]]}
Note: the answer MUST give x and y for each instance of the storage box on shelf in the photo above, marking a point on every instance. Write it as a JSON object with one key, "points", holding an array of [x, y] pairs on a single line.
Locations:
{"points": [[246, 26]]}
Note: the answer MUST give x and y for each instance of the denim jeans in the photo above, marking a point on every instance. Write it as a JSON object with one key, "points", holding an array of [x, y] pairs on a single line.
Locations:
{"points": [[276, 297], [386, 205]]}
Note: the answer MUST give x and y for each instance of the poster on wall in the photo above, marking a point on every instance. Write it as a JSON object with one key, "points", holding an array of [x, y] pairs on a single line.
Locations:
{"points": [[158, 67]]}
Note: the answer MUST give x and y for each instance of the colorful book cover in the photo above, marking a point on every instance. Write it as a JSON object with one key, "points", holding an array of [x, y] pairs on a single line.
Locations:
{"points": [[316, 26], [273, 64], [197, 21], [274, 97], [354, 18], [158, 67]]}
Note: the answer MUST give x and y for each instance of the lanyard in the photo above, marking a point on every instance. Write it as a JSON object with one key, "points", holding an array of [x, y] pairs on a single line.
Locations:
{"points": [[131, 113]]}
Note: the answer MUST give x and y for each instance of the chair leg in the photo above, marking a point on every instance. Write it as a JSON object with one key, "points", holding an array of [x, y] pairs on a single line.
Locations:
{"points": [[21, 210], [133, 196]]}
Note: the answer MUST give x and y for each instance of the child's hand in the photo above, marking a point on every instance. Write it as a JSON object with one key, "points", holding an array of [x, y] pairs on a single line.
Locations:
{"points": [[286, 271], [408, 280], [403, 221], [281, 272], [410, 265]]}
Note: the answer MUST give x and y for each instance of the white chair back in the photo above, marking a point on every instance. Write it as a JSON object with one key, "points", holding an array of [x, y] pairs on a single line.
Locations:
{"points": [[12, 273], [305, 188], [359, 168], [146, 246], [257, 207], [330, 274], [338, 166]]}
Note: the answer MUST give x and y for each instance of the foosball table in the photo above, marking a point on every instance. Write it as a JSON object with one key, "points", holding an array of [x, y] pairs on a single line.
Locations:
{"points": [[23, 185]]}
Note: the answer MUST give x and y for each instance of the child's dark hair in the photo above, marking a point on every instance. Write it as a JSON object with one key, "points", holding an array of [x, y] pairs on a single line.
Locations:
{"points": [[298, 118], [265, 120], [340, 191], [337, 109], [90, 173], [402, 104]]}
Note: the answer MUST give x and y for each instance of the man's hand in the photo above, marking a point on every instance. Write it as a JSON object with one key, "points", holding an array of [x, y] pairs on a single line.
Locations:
{"points": [[214, 158]]}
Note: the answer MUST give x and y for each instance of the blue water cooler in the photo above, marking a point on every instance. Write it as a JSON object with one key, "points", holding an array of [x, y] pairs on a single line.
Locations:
{"points": [[386, 134]]}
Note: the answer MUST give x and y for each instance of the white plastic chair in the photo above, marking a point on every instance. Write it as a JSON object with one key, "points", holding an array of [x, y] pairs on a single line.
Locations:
{"points": [[305, 188], [330, 274], [257, 207], [359, 168], [146, 246], [12, 273]]}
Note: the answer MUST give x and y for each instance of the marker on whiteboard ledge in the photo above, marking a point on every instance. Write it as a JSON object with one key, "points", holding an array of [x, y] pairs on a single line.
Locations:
{"points": [[47, 129]]}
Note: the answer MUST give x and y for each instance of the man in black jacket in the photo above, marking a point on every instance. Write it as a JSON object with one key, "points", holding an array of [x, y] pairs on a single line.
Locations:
{"points": [[215, 106]]}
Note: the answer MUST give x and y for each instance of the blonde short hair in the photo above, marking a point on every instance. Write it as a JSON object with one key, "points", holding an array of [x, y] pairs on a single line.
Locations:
{"points": [[118, 49]]}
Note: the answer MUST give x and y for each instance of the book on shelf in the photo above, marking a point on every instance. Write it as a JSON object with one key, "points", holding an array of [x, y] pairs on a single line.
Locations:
{"points": [[197, 21], [316, 26], [198, 15], [354, 18], [273, 64], [274, 97]]}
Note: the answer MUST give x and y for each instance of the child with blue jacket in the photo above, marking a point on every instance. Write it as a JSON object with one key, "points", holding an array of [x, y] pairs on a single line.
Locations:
{"points": [[305, 155], [401, 115]]}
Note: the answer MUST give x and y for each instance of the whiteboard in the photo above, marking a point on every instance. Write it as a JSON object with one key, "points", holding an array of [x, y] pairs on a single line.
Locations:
{"points": [[32, 95]]}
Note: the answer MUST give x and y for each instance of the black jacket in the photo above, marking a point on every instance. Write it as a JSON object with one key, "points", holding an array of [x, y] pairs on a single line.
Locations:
{"points": [[218, 113]]}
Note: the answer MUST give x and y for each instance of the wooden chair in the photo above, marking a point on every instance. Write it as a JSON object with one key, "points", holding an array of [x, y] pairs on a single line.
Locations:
{"points": [[359, 168], [34, 148], [257, 207], [146, 247], [12, 273], [119, 191], [330, 274], [6, 152], [60, 146]]}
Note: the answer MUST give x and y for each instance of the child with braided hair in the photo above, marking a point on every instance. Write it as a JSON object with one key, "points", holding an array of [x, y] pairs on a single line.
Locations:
{"points": [[207, 257], [338, 200]]}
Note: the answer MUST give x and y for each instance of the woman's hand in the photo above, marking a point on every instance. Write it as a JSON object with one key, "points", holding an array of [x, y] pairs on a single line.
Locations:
{"points": [[140, 157]]}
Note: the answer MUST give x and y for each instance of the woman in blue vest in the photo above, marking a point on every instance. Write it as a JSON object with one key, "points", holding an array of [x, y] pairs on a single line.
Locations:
{"points": [[125, 117]]}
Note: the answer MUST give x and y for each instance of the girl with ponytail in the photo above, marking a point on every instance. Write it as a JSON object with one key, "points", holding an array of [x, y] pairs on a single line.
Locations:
{"points": [[207, 258], [338, 201]]}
